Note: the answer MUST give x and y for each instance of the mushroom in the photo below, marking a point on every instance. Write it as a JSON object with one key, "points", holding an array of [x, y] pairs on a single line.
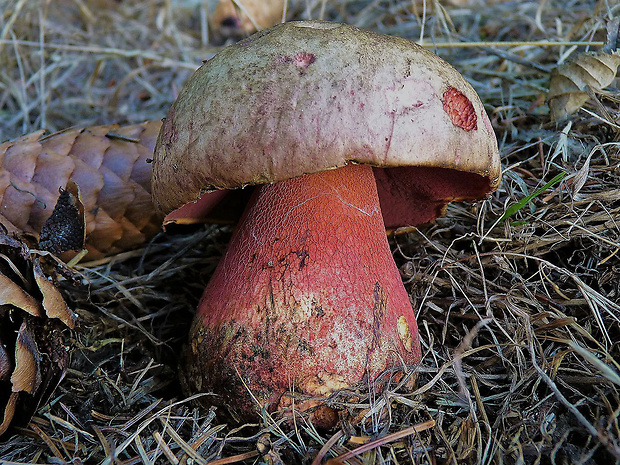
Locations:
{"points": [[343, 132]]}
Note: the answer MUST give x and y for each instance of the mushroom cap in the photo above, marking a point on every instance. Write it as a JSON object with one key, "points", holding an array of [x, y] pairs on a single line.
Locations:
{"points": [[303, 97]]}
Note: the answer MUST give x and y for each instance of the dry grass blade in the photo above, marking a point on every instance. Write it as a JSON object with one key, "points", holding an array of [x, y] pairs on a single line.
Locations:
{"points": [[602, 367], [326, 447]]}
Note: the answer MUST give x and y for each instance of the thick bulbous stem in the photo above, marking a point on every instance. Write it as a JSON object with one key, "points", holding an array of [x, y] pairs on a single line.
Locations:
{"points": [[306, 298]]}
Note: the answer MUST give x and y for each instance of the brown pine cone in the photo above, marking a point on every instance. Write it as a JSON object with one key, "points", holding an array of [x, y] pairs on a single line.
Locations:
{"points": [[108, 164], [33, 314]]}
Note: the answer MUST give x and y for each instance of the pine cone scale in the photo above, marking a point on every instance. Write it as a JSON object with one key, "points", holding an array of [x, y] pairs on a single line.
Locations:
{"points": [[22, 162], [27, 375], [33, 316], [13, 294]]}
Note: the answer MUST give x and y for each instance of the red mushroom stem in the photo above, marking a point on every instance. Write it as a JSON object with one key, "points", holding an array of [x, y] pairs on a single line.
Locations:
{"points": [[306, 298]]}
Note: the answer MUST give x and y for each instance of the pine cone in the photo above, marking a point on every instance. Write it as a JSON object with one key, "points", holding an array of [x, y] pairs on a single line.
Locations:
{"points": [[33, 314], [107, 163]]}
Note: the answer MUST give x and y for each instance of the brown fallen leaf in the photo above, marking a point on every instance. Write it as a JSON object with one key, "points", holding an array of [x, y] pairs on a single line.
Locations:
{"points": [[109, 166], [572, 83], [33, 316]]}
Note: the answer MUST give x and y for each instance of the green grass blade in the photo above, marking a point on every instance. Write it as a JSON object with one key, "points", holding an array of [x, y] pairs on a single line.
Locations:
{"points": [[514, 208]]}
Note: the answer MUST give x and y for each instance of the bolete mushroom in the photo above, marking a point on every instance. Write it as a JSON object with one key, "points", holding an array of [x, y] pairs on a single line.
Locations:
{"points": [[343, 132]]}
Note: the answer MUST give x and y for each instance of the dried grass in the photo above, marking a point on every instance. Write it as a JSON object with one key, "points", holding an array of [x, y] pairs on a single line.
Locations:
{"points": [[519, 318]]}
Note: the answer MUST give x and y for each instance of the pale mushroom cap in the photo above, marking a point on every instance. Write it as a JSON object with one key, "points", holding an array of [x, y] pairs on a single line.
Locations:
{"points": [[303, 97]]}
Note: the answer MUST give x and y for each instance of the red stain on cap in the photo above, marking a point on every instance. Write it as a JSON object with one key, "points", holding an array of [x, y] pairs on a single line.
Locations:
{"points": [[304, 59], [460, 109], [301, 60]]}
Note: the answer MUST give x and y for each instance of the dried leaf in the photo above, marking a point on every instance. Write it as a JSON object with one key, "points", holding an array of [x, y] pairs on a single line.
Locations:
{"points": [[581, 176], [571, 82]]}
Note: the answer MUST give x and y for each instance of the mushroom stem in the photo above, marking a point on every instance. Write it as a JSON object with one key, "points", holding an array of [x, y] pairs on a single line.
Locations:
{"points": [[306, 298]]}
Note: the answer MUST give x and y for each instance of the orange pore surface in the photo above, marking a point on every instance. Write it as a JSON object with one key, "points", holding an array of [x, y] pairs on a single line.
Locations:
{"points": [[307, 296]]}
